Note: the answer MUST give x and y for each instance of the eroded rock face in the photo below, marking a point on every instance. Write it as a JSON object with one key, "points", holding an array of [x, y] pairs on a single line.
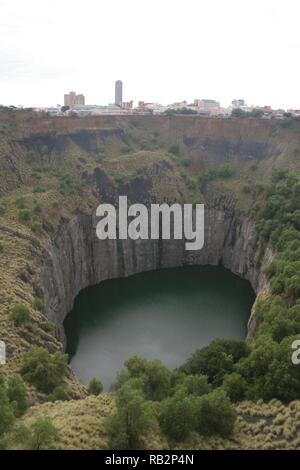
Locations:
{"points": [[78, 259]]}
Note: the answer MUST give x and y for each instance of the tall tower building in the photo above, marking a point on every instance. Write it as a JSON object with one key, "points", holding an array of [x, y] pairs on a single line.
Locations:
{"points": [[119, 93]]}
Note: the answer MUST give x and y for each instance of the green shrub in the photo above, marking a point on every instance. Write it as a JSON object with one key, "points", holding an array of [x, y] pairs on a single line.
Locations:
{"points": [[38, 209], [33, 327], [58, 394], [95, 386], [225, 170], [7, 417], [260, 188], [133, 420], [194, 384], [44, 370], [43, 435], [16, 392], [119, 179], [208, 175], [20, 315], [3, 208], [38, 303], [217, 359], [235, 386], [36, 227], [240, 113], [39, 189], [190, 183], [269, 370], [69, 184], [20, 203], [24, 215], [31, 156], [49, 327], [1, 247], [55, 205], [215, 414], [247, 189], [177, 416], [152, 377], [174, 149]]}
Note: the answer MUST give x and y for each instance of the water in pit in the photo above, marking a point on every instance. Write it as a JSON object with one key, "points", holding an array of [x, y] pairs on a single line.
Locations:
{"points": [[165, 314]]}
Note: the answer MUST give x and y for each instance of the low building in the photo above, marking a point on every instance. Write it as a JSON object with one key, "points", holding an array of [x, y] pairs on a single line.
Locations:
{"points": [[72, 99], [208, 107], [127, 105], [238, 104]]}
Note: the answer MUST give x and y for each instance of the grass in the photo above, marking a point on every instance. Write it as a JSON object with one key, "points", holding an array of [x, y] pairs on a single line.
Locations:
{"points": [[81, 424]]}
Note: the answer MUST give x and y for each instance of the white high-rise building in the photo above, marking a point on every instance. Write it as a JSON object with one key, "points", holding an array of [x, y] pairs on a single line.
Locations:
{"points": [[119, 93]]}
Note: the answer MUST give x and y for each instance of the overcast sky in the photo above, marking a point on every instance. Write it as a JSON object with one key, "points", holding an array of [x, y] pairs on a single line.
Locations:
{"points": [[162, 50]]}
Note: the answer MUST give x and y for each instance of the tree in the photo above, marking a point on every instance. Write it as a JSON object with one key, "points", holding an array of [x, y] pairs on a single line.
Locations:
{"points": [[136, 366], [157, 380], [217, 359], [257, 364], [238, 112], [133, 420], [95, 386], [293, 287], [235, 386], [282, 380], [16, 392], [43, 435], [215, 414], [44, 370], [269, 370], [177, 416], [193, 384], [153, 377]]}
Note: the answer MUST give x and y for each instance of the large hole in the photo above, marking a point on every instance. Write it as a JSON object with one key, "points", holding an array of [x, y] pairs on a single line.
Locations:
{"points": [[165, 314]]}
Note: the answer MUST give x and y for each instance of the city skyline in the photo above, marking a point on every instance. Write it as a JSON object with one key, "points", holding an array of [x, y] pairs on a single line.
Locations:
{"points": [[164, 53]]}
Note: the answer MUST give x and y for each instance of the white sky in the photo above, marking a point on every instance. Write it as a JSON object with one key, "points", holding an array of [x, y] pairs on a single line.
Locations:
{"points": [[162, 50]]}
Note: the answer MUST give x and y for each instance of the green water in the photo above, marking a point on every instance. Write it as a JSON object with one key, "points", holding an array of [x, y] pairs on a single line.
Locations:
{"points": [[164, 314]]}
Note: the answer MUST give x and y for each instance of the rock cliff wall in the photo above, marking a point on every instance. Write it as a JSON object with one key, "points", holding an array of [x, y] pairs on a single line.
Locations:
{"points": [[78, 259]]}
